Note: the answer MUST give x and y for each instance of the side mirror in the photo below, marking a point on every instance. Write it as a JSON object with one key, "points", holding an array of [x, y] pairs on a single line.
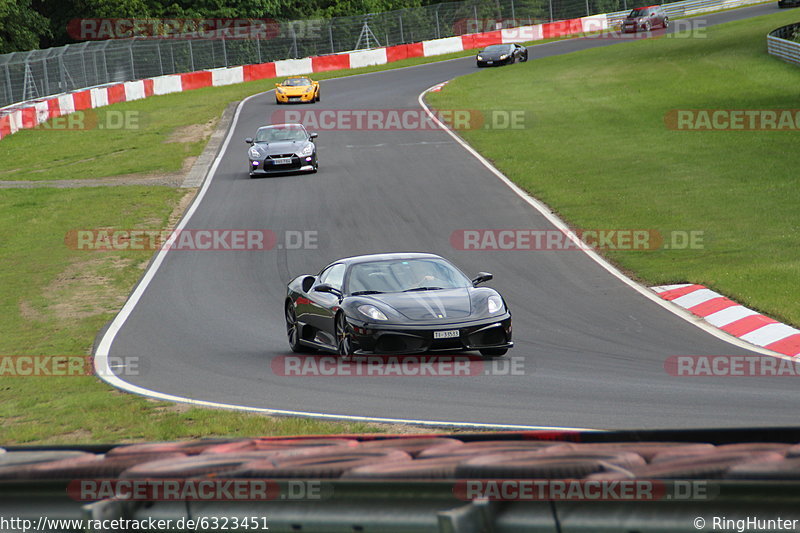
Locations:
{"points": [[277, 85], [324, 287], [307, 283], [249, 140], [481, 278], [313, 135]]}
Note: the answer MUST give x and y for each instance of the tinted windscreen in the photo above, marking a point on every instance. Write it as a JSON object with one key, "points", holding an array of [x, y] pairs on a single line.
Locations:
{"points": [[403, 275], [280, 134]]}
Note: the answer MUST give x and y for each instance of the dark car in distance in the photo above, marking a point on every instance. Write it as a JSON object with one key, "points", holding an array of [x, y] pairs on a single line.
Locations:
{"points": [[282, 148], [645, 19], [501, 54], [395, 303], [788, 3]]}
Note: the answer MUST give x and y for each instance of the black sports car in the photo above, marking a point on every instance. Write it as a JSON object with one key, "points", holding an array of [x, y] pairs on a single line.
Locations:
{"points": [[397, 303], [282, 148], [501, 54], [788, 3]]}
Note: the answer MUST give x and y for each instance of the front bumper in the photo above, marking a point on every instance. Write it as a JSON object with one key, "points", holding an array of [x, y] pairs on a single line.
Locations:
{"points": [[263, 167], [294, 98], [493, 62], [395, 339]]}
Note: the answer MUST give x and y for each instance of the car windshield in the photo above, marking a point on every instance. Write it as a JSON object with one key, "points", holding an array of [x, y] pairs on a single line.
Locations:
{"points": [[268, 135], [497, 48], [639, 12], [404, 275], [296, 82]]}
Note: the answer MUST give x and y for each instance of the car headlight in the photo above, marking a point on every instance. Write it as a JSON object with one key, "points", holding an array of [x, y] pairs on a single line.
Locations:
{"points": [[254, 153], [372, 312], [480, 58], [308, 150], [504, 56], [279, 90], [495, 304], [311, 88]]}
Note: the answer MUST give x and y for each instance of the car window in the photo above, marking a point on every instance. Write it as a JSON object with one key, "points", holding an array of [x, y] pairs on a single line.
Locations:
{"points": [[403, 275], [296, 82], [497, 48], [333, 276], [281, 134]]}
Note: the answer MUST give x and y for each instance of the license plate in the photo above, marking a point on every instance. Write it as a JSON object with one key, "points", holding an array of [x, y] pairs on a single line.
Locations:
{"points": [[489, 62], [449, 334], [282, 161]]}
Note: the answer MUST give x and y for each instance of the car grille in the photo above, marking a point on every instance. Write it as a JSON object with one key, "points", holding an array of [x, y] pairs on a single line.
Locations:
{"points": [[488, 337], [389, 343], [281, 156]]}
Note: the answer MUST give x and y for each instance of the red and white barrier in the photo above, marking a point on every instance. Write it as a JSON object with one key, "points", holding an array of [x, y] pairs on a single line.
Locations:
{"points": [[31, 114], [735, 319]]}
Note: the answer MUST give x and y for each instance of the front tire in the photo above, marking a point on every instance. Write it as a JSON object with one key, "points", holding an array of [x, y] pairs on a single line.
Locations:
{"points": [[490, 353], [344, 341], [292, 328]]}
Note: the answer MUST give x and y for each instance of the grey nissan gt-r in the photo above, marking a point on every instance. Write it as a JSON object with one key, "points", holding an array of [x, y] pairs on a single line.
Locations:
{"points": [[398, 303], [282, 148]]}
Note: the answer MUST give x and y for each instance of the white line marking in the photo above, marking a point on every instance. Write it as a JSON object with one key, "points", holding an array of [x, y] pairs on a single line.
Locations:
{"points": [[558, 223]]}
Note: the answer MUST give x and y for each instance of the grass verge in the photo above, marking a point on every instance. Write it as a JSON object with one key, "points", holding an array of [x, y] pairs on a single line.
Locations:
{"points": [[596, 148]]}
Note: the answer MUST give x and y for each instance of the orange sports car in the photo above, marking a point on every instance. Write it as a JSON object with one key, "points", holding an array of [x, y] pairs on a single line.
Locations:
{"points": [[297, 89]]}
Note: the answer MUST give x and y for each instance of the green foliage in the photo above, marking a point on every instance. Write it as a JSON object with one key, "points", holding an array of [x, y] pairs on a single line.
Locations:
{"points": [[21, 27]]}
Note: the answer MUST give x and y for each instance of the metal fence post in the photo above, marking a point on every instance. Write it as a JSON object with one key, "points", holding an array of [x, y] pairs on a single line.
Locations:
{"points": [[10, 88], [224, 53], [513, 14], [438, 35], [62, 71], [105, 62], [83, 62], [587, 8], [133, 64], [551, 10], [330, 35], [294, 41], [402, 38], [258, 50], [46, 77], [160, 61], [191, 54]]}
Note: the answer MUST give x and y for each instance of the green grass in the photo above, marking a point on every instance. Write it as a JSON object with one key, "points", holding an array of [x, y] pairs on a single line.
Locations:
{"points": [[54, 301], [596, 149]]}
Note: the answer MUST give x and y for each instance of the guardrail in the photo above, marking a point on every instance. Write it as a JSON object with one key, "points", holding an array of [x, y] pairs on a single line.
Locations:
{"points": [[780, 45]]}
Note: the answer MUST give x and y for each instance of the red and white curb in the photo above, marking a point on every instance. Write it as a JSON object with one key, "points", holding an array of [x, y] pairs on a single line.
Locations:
{"points": [[732, 318]]}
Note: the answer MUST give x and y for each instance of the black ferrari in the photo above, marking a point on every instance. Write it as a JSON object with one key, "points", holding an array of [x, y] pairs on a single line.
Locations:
{"points": [[501, 54], [282, 148], [399, 303]]}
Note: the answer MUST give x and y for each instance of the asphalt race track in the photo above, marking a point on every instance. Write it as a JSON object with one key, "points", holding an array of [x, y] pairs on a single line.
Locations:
{"points": [[210, 323]]}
